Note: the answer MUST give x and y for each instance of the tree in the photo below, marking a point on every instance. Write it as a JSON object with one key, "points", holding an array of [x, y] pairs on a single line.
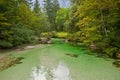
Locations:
{"points": [[17, 23], [98, 24], [36, 7], [9, 17], [61, 17], [72, 20], [51, 7]]}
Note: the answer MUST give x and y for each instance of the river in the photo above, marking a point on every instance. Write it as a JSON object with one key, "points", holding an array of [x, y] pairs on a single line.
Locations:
{"points": [[50, 62]]}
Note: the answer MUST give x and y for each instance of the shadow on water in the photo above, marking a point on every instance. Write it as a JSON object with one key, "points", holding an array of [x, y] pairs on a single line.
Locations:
{"points": [[60, 73]]}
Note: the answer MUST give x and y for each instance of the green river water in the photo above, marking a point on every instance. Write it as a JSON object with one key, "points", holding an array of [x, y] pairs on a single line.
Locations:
{"points": [[84, 67]]}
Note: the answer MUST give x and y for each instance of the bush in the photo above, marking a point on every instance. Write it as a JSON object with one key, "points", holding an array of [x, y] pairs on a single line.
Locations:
{"points": [[111, 50], [54, 34], [22, 35], [18, 35], [75, 37], [46, 35], [61, 35], [5, 44]]}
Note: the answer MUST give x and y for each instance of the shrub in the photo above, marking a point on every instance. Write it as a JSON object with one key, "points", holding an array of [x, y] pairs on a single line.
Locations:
{"points": [[22, 35], [111, 50], [46, 35], [61, 35], [54, 34], [5, 44], [18, 35], [75, 37]]}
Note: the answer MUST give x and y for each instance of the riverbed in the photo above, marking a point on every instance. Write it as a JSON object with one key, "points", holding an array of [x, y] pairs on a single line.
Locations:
{"points": [[50, 62]]}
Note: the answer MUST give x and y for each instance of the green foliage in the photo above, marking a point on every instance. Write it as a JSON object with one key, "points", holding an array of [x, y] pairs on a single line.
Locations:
{"points": [[17, 36], [87, 21], [25, 14], [61, 17], [70, 23], [21, 35], [75, 37], [5, 44], [36, 7], [97, 23], [55, 34], [111, 50], [46, 35], [18, 23], [51, 8], [61, 34]]}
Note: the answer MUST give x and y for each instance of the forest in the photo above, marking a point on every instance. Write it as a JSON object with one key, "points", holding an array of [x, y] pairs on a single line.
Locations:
{"points": [[89, 22], [60, 39]]}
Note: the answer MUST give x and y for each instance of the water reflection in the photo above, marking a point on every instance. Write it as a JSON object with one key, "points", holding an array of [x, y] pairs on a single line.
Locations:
{"points": [[39, 73], [60, 73]]}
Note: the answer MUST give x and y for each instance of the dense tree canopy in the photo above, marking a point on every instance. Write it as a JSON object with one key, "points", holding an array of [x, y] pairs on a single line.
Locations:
{"points": [[98, 23], [18, 23]]}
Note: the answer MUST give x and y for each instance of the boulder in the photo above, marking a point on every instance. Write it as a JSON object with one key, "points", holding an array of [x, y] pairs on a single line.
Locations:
{"points": [[118, 55], [116, 63], [72, 55], [66, 40], [50, 42], [93, 47], [45, 41]]}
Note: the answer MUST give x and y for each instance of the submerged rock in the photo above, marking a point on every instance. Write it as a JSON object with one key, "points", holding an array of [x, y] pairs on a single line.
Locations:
{"points": [[118, 55], [72, 55], [8, 61], [93, 47], [116, 63]]}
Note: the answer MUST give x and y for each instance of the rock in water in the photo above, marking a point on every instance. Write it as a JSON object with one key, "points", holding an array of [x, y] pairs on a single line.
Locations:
{"points": [[46, 41], [116, 63], [72, 55]]}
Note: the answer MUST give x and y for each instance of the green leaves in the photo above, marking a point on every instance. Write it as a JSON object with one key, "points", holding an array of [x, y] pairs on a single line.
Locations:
{"points": [[51, 8], [97, 22], [18, 23], [61, 17]]}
